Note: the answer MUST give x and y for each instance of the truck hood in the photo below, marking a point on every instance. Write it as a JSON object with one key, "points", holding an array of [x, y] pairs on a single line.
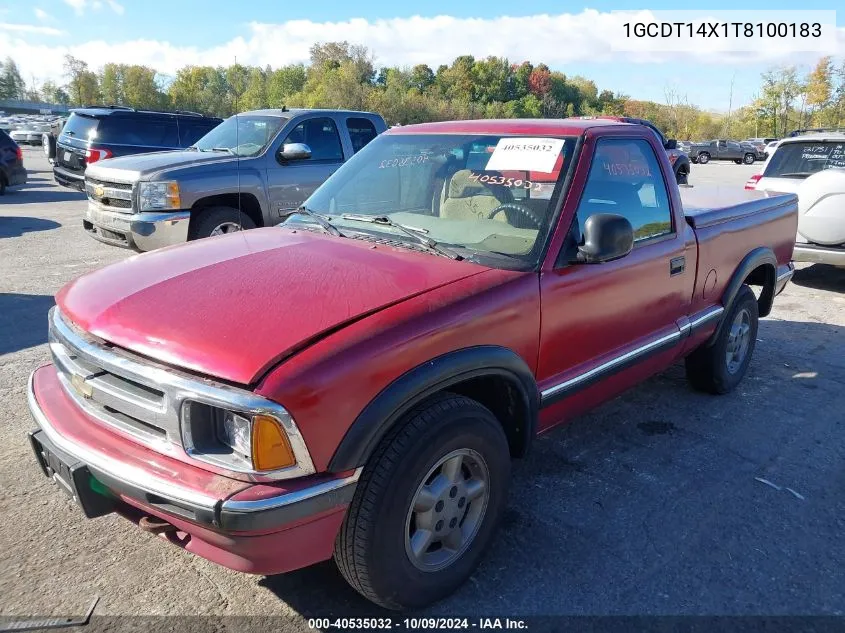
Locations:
{"points": [[234, 306], [136, 167]]}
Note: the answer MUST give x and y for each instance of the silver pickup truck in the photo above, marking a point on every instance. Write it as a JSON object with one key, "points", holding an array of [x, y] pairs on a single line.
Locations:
{"points": [[245, 173]]}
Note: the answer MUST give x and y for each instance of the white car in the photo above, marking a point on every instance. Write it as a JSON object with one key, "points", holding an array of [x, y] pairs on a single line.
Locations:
{"points": [[812, 166], [770, 148], [28, 135]]}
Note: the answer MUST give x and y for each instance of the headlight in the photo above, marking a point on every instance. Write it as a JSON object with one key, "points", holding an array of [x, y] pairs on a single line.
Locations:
{"points": [[236, 440], [159, 196]]}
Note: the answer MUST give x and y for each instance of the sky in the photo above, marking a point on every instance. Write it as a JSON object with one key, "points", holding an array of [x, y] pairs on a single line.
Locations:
{"points": [[575, 39]]}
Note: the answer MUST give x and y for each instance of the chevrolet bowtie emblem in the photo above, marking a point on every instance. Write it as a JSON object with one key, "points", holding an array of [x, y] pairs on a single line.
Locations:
{"points": [[99, 191], [84, 389]]}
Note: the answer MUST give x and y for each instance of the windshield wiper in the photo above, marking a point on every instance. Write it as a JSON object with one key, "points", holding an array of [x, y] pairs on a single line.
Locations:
{"points": [[224, 149], [320, 219], [412, 231], [793, 174]]}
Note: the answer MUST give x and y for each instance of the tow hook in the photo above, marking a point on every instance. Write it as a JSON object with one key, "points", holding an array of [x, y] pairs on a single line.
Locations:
{"points": [[154, 525]]}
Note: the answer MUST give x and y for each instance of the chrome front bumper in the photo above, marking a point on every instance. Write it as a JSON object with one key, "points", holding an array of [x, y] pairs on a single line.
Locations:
{"points": [[218, 512], [140, 231]]}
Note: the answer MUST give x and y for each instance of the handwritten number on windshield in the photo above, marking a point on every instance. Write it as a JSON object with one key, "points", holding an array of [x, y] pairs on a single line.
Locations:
{"points": [[513, 183]]}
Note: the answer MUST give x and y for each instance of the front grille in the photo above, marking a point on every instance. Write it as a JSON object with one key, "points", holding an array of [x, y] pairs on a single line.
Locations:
{"points": [[142, 398], [116, 398], [116, 196]]}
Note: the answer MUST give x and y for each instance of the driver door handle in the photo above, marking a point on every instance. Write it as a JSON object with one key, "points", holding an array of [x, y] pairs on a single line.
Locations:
{"points": [[677, 265]]}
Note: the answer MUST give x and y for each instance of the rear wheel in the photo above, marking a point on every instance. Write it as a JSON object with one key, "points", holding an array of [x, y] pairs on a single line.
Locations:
{"points": [[427, 505], [682, 176], [2, 184], [704, 158], [749, 159], [218, 221], [720, 367]]}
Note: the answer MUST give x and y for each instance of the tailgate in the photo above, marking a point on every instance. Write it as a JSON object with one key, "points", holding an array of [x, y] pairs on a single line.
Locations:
{"points": [[70, 156]]}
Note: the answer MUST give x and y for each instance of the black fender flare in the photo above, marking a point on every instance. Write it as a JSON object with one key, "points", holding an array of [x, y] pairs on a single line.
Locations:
{"points": [[760, 256], [437, 374]]}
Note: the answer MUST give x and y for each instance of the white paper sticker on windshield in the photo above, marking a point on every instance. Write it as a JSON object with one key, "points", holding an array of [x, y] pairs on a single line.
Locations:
{"points": [[529, 154]]}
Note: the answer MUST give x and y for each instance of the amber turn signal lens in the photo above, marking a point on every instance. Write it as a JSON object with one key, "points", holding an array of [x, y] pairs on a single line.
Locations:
{"points": [[270, 446]]}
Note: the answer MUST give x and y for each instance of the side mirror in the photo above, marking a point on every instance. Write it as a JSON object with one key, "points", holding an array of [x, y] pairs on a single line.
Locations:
{"points": [[294, 151], [671, 144], [607, 236]]}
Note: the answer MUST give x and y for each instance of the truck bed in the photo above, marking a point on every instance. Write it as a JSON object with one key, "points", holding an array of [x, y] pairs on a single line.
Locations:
{"points": [[709, 205]]}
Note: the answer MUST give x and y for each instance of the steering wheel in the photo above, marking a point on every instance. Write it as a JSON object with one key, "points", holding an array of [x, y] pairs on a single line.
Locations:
{"points": [[520, 209]]}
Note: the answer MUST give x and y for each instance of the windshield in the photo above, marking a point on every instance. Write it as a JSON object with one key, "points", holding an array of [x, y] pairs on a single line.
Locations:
{"points": [[481, 196], [242, 135], [805, 158]]}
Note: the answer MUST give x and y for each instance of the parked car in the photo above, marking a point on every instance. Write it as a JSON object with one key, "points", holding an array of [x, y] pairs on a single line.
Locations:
{"points": [[813, 167], [12, 171], [355, 382], [677, 155], [29, 135], [760, 145], [723, 150], [248, 172], [96, 133], [770, 148]]}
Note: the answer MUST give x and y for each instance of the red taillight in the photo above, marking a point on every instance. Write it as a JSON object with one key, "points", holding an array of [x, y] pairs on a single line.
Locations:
{"points": [[751, 183], [94, 154], [20, 154]]}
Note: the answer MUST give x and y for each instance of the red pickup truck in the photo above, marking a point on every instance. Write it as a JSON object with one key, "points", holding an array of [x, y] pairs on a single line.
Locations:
{"points": [[355, 382]]}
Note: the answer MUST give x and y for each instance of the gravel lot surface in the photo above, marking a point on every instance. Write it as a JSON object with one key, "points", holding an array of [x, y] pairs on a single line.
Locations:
{"points": [[651, 504]]}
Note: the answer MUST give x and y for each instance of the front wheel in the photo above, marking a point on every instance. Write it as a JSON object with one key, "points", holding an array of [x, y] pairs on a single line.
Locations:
{"points": [[427, 505], [704, 158], [720, 367], [215, 221], [749, 159]]}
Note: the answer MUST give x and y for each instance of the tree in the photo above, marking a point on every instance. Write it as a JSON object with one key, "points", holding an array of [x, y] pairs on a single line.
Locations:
{"points": [[84, 84], [111, 83], [521, 74], [255, 96], [12, 85], [52, 93], [422, 77], [285, 82], [820, 86], [539, 81], [492, 79], [140, 88]]}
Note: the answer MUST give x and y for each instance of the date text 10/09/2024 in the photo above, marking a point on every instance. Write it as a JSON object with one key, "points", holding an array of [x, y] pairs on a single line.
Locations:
{"points": [[722, 29], [410, 624]]}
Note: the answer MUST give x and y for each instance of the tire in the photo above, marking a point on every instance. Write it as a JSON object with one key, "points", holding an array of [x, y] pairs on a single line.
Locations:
{"points": [[215, 220], [709, 368], [682, 176], [749, 159], [704, 158], [373, 549], [738, 162], [48, 144], [2, 184]]}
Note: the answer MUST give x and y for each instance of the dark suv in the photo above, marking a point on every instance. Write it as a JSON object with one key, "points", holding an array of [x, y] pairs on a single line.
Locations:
{"points": [[12, 171], [94, 133]]}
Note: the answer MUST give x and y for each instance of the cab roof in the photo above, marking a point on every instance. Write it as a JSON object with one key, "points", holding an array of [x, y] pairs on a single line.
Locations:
{"points": [[526, 127]]}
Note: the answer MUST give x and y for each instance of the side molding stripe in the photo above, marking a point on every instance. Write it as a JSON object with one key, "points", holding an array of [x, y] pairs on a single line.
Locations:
{"points": [[581, 381]]}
